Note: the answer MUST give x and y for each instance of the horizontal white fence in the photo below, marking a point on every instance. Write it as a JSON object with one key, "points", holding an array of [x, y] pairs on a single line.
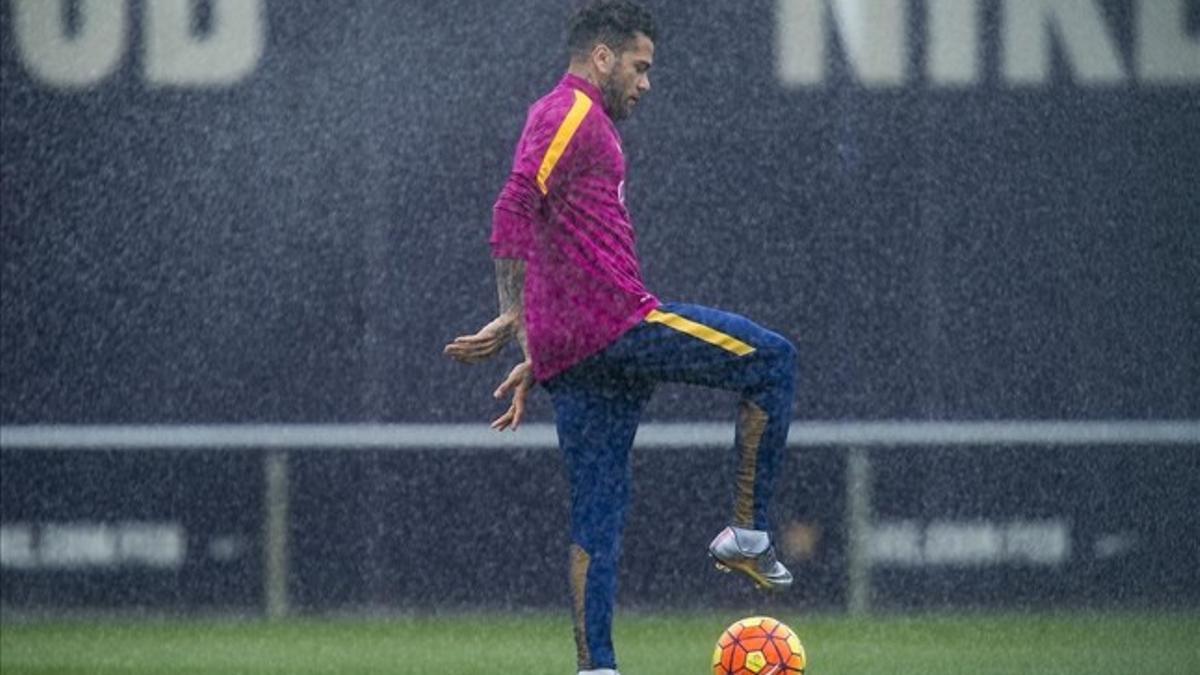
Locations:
{"points": [[657, 434]]}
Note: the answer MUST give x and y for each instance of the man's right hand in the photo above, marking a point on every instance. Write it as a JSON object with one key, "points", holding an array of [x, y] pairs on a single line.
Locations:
{"points": [[485, 343], [519, 382]]}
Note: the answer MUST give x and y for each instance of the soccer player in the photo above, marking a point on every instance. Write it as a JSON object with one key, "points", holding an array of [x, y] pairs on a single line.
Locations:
{"points": [[571, 294]]}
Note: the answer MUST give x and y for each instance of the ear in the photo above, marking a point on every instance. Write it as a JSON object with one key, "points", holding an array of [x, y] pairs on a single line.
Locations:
{"points": [[604, 60]]}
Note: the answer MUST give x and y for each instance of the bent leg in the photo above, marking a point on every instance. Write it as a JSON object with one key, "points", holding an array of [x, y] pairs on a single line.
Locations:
{"points": [[700, 345]]}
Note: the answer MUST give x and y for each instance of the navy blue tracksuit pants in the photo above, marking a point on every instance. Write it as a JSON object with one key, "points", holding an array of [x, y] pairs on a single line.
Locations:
{"points": [[597, 406]]}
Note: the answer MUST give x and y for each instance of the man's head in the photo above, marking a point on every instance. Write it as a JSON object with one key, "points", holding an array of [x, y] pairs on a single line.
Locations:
{"points": [[612, 41]]}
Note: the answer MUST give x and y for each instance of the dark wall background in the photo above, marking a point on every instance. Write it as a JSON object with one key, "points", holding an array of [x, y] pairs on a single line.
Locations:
{"points": [[299, 246], [438, 529]]}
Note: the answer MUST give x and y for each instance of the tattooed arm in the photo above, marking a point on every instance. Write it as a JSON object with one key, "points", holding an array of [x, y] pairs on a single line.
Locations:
{"points": [[510, 286], [489, 340], [510, 282], [514, 220]]}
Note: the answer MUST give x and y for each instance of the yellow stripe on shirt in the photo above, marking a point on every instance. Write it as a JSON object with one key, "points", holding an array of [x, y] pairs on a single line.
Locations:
{"points": [[562, 137], [699, 330]]}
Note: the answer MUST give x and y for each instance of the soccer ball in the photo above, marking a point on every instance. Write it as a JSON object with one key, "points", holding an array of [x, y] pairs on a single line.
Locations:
{"points": [[759, 645]]}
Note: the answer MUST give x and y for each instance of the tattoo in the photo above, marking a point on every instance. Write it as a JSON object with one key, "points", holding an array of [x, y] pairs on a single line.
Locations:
{"points": [[510, 285]]}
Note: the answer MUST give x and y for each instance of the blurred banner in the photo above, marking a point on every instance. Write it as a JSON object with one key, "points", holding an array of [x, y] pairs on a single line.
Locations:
{"points": [[1014, 527], [120, 530], [257, 210]]}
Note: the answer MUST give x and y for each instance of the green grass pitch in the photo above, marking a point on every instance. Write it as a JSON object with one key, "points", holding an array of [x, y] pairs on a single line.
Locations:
{"points": [[648, 644]]}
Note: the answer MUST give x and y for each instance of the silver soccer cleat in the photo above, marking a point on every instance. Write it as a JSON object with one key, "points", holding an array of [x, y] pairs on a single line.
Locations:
{"points": [[751, 553]]}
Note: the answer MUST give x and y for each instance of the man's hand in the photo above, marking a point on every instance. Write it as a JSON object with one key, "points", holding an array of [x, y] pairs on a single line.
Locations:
{"points": [[510, 287], [484, 344], [519, 382]]}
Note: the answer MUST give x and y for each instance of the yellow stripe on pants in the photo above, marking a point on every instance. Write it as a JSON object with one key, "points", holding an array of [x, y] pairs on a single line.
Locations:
{"points": [[699, 330]]}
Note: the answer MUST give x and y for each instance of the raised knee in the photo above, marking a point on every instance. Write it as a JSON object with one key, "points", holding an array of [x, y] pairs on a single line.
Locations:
{"points": [[782, 355], [780, 365], [789, 351]]}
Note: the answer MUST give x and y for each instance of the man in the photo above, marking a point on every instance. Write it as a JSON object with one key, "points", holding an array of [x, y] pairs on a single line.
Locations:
{"points": [[571, 293]]}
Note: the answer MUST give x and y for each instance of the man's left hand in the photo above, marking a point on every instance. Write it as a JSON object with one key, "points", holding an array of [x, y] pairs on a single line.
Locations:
{"points": [[484, 344]]}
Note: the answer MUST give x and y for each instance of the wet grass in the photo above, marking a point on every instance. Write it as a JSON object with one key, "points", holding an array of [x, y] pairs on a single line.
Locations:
{"points": [[648, 644]]}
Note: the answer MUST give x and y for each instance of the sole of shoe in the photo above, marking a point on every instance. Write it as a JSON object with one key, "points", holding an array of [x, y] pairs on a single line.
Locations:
{"points": [[746, 569]]}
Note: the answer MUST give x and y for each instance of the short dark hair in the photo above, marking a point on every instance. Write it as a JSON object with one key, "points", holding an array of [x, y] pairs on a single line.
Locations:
{"points": [[614, 23]]}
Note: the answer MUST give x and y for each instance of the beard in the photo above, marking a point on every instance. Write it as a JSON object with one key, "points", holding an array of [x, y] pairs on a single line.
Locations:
{"points": [[616, 103]]}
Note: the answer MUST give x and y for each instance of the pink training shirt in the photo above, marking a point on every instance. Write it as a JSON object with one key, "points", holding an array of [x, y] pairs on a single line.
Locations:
{"points": [[563, 212]]}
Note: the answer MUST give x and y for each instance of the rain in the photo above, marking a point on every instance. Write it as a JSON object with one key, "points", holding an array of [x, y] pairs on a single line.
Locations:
{"points": [[235, 236]]}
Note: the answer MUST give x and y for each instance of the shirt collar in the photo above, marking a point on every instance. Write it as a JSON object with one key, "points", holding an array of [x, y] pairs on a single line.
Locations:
{"points": [[576, 82]]}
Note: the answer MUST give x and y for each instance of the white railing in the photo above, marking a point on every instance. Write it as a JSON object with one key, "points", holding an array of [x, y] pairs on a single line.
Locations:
{"points": [[660, 434]]}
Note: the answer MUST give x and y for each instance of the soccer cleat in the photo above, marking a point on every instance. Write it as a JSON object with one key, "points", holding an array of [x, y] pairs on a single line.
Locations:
{"points": [[751, 553]]}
